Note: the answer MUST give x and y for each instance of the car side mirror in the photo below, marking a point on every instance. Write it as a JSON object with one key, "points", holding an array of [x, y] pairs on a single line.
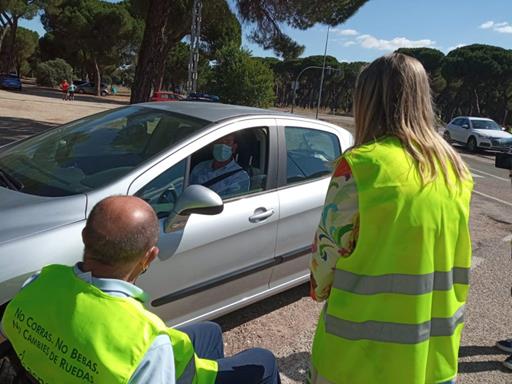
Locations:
{"points": [[194, 199], [465, 126]]}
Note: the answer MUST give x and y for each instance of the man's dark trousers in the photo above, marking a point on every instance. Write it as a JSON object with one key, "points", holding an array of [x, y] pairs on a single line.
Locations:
{"points": [[252, 366]]}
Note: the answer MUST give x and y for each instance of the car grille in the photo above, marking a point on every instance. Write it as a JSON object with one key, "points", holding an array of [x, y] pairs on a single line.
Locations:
{"points": [[502, 143]]}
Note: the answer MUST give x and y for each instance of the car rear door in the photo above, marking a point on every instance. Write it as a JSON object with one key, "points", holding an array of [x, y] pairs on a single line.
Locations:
{"points": [[308, 151], [211, 262]]}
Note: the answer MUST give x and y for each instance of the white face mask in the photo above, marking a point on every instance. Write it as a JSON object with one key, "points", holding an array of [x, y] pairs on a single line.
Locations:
{"points": [[222, 152]]}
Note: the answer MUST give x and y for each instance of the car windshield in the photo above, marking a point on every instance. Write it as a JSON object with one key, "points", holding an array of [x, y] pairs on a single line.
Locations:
{"points": [[485, 124], [94, 151]]}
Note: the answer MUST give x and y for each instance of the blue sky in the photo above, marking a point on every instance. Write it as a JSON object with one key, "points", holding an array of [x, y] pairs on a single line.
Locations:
{"points": [[381, 26]]}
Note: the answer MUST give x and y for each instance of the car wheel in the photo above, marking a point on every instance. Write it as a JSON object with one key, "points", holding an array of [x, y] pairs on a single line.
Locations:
{"points": [[103, 93], [471, 145], [447, 137], [81, 91]]}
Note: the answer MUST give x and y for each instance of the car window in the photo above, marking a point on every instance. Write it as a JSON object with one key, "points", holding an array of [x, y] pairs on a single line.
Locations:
{"points": [[309, 153], [457, 122], [94, 151], [163, 191], [245, 173], [485, 124]]}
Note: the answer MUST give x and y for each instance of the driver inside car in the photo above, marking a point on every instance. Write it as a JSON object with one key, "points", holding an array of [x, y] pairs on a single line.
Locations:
{"points": [[222, 174]]}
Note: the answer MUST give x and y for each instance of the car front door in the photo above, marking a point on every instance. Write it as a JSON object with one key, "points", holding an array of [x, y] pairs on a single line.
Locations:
{"points": [[454, 128], [308, 153], [465, 130], [211, 263]]}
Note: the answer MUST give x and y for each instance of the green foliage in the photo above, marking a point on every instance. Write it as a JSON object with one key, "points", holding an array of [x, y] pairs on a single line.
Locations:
{"points": [[269, 15], [50, 73], [240, 79], [91, 34], [25, 46]]}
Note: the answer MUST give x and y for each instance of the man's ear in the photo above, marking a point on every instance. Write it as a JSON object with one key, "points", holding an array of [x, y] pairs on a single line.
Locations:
{"points": [[151, 255], [84, 235]]}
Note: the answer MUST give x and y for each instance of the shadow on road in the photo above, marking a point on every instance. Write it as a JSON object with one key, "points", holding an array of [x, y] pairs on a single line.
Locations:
{"points": [[56, 94], [476, 350], [14, 128], [261, 308], [295, 366], [481, 366]]}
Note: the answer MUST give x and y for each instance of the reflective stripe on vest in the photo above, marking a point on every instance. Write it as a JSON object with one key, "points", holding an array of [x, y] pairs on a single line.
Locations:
{"points": [[188, 374], [399, 283], [394, 332]]}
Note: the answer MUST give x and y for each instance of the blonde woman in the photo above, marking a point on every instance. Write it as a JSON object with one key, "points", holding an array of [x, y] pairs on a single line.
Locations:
{"points": [[392, 252]]}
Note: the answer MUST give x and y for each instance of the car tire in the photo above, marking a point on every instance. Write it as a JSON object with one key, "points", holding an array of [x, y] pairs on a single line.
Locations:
{"points": [[103, 93], [472, 146], [447, 137], [81, 91]]}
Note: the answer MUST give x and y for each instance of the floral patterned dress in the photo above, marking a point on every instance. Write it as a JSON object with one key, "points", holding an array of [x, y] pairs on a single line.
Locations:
{"points": [[337, 232]]}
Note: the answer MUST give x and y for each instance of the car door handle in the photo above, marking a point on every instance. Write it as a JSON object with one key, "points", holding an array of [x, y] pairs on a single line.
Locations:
{"points": [[261, 214]]}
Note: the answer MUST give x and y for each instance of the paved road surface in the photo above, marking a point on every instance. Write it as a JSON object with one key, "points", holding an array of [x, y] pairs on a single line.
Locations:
{"points": [[285, 323]]}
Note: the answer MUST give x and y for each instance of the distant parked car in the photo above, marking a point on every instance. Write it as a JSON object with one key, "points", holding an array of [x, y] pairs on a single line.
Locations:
{"points": [[10, 81], [202, 97], [478, 133], [79, 82], [166, 96], [90, 88]]}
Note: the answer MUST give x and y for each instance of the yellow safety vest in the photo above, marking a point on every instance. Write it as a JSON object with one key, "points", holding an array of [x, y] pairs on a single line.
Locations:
{"points": [[395, 311], [65, 330]]}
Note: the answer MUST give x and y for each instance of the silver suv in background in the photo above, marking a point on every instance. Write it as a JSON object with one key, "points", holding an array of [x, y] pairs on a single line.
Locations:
{"points": [[478, 133]]}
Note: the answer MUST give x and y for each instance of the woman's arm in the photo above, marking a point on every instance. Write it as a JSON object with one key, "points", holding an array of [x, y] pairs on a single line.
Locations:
{"points": [[337, 232]]}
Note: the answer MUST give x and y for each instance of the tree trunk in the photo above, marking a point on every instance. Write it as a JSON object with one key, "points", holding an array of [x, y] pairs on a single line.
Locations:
{"points": [[2, 35], [477, 102], [9, 62], [152, 50], [98, 78]]}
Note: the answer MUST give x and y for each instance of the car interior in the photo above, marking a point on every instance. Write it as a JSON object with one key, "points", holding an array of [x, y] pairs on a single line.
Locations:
{"points": [[251, 156]]}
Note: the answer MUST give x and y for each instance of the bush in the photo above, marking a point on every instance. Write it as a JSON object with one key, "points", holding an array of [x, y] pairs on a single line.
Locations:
{"points": [[52, 72], [240, 79]]}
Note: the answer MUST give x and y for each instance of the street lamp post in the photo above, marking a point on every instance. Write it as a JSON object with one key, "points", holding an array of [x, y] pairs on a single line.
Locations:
{"points": [[323, 71]]}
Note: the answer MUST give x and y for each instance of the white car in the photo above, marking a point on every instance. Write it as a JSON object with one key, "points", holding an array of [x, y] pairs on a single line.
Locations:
{"points": [[478, 132]]}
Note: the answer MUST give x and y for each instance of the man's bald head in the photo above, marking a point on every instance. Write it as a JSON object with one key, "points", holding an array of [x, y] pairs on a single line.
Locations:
{"points": [[120, 230]]}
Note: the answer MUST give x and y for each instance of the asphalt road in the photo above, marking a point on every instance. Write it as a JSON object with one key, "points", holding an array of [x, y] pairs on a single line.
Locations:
{"points": [[285, 323]]}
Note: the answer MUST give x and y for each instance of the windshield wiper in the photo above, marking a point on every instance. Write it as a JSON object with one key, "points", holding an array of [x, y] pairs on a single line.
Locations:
{"points": [[10, 181]]}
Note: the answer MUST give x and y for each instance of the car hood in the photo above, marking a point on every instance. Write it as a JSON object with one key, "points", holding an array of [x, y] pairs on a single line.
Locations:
{"points": [[22, 214], [493, 134]]}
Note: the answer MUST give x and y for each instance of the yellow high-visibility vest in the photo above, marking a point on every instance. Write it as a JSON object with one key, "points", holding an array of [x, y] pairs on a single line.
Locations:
{"points": [[395, 310], [65, 330]]}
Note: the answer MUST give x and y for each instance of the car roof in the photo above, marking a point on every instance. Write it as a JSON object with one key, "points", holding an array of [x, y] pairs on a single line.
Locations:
{"points": [[473, 118], [480, 118], [212, 112]]}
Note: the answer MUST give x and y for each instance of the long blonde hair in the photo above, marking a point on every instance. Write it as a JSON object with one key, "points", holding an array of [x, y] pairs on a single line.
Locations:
{"points": [[392, 97]]}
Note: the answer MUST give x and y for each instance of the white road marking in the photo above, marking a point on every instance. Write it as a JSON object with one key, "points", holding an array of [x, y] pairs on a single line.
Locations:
{"points": [[507, 239], [493, 198], [475, 175], [489, 174]]}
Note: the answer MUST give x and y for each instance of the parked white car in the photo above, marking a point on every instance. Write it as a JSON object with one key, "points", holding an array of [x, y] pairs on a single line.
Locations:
{"points": [[478, 133]]}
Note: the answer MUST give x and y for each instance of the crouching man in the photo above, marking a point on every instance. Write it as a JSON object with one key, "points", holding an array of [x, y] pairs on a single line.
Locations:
{"points": [[88, 324]]}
